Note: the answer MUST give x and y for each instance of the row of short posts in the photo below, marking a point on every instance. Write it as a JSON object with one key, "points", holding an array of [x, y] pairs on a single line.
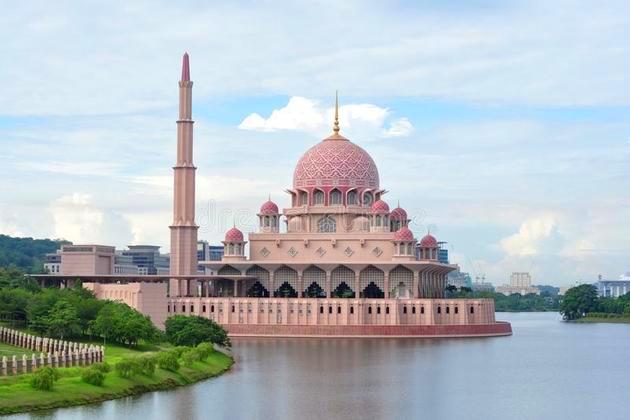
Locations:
{"points": [[54, 353]]}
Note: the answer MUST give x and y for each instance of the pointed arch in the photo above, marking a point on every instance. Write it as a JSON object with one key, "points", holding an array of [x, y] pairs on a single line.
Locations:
{"points": [[285, 282], [327, 224], [262, 279], [314, 280], [228, 270], [352, 197], [341, 282], [401, 282], [372, 282], [336, 198], [318, 197]]}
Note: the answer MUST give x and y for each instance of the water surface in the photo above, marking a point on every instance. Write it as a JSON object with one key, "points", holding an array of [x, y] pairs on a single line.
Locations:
{"points": [[547, 369]]}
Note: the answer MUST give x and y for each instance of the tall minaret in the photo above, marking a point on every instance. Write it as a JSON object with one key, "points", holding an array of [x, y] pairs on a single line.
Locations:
{"points": [[184, 229]]}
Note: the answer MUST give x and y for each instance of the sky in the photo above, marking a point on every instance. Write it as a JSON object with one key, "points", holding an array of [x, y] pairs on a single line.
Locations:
{"points": [[500, 126]]}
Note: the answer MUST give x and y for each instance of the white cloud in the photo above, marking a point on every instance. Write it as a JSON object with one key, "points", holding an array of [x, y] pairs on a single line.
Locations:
{"points": [[533, 236], [299, 114], [365, 120], [401, 127], [77, 219]]}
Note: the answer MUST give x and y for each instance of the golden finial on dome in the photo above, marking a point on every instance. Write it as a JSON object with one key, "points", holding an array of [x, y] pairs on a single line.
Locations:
{"points": [[336, 124]]}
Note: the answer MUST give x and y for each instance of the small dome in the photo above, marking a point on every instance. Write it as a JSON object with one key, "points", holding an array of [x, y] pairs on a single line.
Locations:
{"points": [[403, 234], [398, 214], [234, 235], [269, 207], [428, 241], [380, 207]]}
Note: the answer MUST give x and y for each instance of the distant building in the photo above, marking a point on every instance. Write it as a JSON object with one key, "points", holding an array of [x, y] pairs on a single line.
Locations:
{"points": [[52, 262], [442, 253], [613, 288], [521, 283], [123, 264], [87, 259], [148, 259], [459, 279], [482, 286]]}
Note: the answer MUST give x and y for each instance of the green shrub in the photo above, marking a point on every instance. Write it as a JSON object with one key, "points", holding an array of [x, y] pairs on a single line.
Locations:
{"points": [[179, 350], [184, 330], [147, 364], [125, 368], [204, 350], [93, 375], [168, 360], [103, 367], [44, 378], [190, 356]]}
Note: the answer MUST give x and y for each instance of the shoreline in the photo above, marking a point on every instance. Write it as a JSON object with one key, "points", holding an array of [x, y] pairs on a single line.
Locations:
{"points": [[30, 400], [600, 320]]}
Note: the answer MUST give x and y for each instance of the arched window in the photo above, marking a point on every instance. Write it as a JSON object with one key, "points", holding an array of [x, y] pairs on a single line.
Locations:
{"points": [[326, 225], [335, 197], [378, 220], [318, 198], [368, 199], [266, 221], [352, 197], [409, 249], [303, 198], [231, 249]]}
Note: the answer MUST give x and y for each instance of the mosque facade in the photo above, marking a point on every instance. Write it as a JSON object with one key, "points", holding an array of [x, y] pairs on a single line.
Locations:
{"points": [[337, 261]]}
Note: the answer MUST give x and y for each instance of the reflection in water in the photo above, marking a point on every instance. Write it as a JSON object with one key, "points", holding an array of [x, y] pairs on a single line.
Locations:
{"points": [[548, 369]]}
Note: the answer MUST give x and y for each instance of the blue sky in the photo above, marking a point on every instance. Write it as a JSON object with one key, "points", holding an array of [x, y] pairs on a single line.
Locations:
{"points": [[502, 126]]}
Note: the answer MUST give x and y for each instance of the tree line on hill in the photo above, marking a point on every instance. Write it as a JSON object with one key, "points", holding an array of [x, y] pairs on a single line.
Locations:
{"points": [[27, 254], [75, 313]]}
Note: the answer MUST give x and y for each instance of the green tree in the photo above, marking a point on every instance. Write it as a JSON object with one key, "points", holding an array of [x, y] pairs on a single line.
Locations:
{"points": [[62, 320], [191, 330], [579, 301], [122, 324]]}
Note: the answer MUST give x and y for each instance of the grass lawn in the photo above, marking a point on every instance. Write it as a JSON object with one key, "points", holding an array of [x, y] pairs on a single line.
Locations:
{"points": [[17, 395], [8, 350]]}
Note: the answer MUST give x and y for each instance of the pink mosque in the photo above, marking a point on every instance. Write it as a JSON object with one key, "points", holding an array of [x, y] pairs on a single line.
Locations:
{"points": [[347, 265]]}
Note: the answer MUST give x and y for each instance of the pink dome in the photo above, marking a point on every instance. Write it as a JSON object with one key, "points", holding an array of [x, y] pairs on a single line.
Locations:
{"points": [[403, 234], [336, 161], [380, 207], [269, 207], [398, 214], [428, 241], [234, 235]]}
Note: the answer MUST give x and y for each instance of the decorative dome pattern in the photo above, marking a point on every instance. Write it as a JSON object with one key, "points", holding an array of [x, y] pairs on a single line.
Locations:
{"points": [[398, 214], [429, 241], [380, 207], [269, 207], [403, 234], [336, 162], [234, 235]]}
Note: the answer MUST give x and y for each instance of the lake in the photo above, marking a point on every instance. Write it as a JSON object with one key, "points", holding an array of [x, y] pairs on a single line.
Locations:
{"points": [[547, 369]]}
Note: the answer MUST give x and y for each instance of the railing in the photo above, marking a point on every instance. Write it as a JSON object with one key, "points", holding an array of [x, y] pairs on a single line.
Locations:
{"points": [[54, 353]]}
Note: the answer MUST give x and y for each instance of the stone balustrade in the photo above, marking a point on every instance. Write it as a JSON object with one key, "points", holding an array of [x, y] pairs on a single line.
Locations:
{"points": [[52, 352]]}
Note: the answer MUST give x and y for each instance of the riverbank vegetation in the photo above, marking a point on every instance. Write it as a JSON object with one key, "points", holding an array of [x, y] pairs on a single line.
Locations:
{"points": [[546, 301], [127, 371], [138, 356], [582, 304]]}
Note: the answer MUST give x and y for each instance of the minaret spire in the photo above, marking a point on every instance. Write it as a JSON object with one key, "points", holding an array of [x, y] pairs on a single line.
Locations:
{"points": [[183, 228], [336, 124], [185, 69]]}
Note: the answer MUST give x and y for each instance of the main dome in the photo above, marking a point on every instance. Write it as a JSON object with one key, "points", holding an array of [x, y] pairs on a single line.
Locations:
{"points": [[336, 161]]}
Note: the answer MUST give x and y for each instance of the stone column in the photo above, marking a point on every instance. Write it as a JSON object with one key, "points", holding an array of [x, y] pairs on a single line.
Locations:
{"points": [[415, 285], [14, 364], [328, 285], [33, 363], [386, 285], [4, 365]]}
